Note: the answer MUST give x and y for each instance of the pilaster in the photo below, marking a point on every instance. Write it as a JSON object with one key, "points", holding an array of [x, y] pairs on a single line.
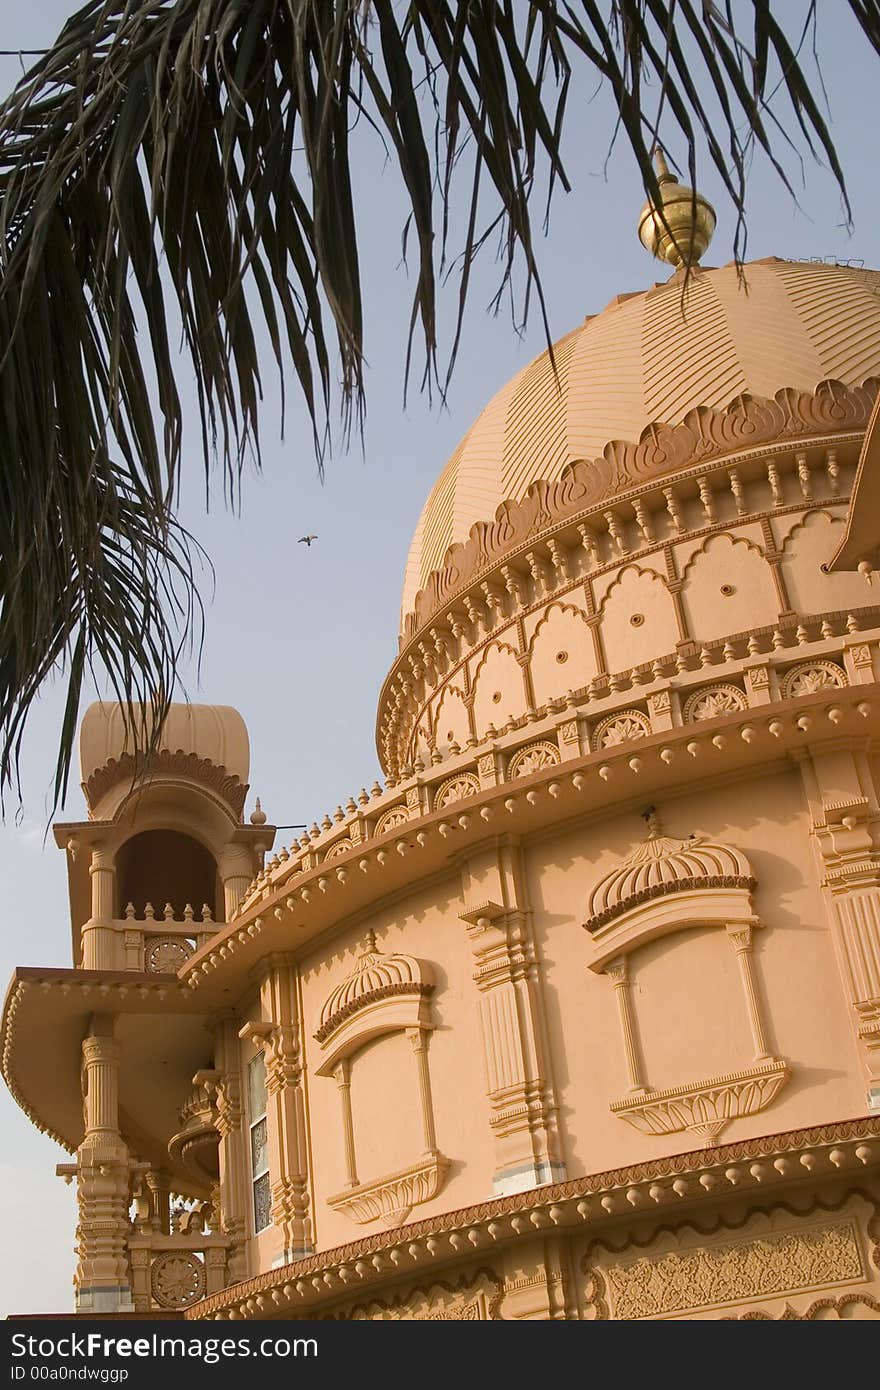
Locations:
{"points": [[234, 1186], [236, 867], [846, 832], [279, 1036], [522, 1103]]}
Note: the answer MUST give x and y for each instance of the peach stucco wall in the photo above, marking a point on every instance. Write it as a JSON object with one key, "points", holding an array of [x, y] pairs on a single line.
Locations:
{"points": [[686, 991], [384, 1095], [687, 999]]}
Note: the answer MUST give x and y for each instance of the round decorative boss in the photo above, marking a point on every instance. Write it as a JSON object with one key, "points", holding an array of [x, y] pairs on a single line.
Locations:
{"points": [[622, 727], [809, 676], [177, 1279], [532, 758], [165, 955]]}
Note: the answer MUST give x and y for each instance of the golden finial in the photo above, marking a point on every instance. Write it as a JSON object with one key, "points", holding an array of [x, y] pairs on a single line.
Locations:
{"points": [[682, 233]]}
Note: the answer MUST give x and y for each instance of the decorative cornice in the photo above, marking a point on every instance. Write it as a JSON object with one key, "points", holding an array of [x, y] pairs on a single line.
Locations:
{"points": [[167, 763], [595, 1198], [419, 991], [304, 890], [705, 434], [470, 1298], [660, 890]]}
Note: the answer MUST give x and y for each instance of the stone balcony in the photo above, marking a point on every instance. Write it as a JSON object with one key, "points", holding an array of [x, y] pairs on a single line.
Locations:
{"points": [[196, 1144]]}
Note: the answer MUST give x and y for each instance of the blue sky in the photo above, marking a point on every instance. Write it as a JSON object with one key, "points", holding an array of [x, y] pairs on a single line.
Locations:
{"points": [[299, 639]]}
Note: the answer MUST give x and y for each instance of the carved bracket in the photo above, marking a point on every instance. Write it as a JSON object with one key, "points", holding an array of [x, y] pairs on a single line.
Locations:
{"points": [[392, 1198], [705, 1107]]}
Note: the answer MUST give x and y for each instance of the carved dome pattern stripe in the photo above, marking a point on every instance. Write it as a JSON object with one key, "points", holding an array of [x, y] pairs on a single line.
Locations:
{"points": [[638, 363]]}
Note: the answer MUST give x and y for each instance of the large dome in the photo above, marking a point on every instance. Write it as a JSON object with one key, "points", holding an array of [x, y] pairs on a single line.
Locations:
{"points": [[647, 358]]}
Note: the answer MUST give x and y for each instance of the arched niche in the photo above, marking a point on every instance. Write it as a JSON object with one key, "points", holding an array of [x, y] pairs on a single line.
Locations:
{"points": [[497, 683], [377, 1023], [166, 866], [676, 919], [809, 545], [562, 652], [728, 587], [451, 724], [638, 619]]}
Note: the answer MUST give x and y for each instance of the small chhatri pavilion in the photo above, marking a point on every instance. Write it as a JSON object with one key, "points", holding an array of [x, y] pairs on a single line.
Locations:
{"points": [[578, 1015]]}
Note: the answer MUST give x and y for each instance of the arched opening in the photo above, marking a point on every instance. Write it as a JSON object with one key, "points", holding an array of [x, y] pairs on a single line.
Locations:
{"points": [[166, 866]]}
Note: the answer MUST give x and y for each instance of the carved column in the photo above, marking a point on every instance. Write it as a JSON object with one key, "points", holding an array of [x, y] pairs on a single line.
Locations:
{"points": [[286, 1109], [102, 1279], [343, 1080], [101, 946], [234, 1184], [160, 1201], [522, 1104], [618, 973], [419, 1039], [740, 937], [236, 867]]}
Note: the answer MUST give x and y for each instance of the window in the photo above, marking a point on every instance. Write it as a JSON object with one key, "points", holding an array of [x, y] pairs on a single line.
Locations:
{"points": [[256, 1078]]}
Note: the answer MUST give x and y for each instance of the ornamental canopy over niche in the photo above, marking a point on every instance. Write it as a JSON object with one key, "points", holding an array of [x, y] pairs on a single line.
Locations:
{"points": [[647, 359], [203, 743], [381, 994], [666, 885]]}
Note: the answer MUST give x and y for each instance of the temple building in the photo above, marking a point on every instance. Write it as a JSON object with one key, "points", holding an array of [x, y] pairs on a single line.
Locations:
{"points": [[578, 1015]]}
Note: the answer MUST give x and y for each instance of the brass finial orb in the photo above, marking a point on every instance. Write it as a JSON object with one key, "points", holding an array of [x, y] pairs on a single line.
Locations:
{"points": [[685, 229]]}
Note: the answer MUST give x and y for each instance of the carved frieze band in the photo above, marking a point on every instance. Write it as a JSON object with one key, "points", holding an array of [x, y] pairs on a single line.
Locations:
{"points": [[763, 1257]]}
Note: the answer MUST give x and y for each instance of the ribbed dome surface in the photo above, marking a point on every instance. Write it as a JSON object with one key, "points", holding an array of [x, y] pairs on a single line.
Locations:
{"points": [[646, 358], [372, 970], [663, 862]]}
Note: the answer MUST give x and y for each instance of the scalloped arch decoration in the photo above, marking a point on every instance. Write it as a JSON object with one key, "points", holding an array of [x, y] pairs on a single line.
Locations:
{"points": [[562, 652], [497, 685], [638, 619], [728, 587], [808, 545], [450, 722]]}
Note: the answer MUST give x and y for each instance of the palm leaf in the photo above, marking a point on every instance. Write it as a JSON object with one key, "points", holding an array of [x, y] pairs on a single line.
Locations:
{"points": [[186, 164]]}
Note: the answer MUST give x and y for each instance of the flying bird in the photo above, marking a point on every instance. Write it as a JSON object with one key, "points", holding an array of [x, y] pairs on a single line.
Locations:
{"points": [[306, 540]]}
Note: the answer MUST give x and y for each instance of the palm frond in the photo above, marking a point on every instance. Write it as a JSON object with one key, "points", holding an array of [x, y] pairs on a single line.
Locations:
{"points": [[187, 164]]}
